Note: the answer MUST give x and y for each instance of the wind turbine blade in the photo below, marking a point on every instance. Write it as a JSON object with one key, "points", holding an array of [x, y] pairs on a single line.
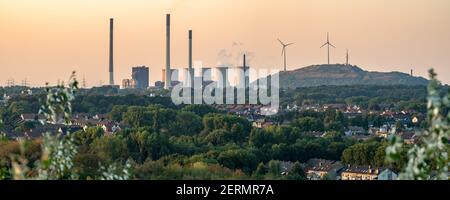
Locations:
{"points": [[324, 45], [332, 45], [282, 51], [281, 42], [290, 44]]}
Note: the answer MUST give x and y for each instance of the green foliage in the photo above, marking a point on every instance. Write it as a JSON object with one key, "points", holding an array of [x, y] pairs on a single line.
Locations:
{"points": [[297, 172], [397, 97], [175, 170], [138, 117], [306, 124], [25, 126], [1, 124], [4, 173], [57, 158], [117, 112], [58, 152], [86, 137], [110, 149], [195, 141], [244, 159], [366, 153], [260, 170], [58, 102], [226, 122], [186, 123], [429, 159], [99, 103], [274, 167], [87, 165], [113, 172], [200, 110], [361, 121]]}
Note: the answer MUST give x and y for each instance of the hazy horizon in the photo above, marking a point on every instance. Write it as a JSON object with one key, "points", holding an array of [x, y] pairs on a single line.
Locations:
{"points": [[43, 41]]}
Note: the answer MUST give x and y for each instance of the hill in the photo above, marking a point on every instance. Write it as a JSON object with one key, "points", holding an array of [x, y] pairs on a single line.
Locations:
{"points": [[320, 75]]}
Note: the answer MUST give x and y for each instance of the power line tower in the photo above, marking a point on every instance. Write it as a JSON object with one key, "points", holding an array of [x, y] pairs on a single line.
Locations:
{"points": [[25, 83], [10, 82], [84, 82]]}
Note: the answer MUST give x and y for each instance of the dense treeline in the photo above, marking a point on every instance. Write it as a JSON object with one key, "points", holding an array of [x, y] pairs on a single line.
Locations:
{"points": [[372, 153], [100, 104], [366, 96], [25, 104], [163, 141], [197, 142]]}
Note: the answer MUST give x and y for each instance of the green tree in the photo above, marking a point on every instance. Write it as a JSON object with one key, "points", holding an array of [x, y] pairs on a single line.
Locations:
{"points": [[110, 149], [117, 112], [430, 156], [86, 137], [186, 123], [138, 117], [306, 124], [274, 167], [200, 110], [297, 172], [260, 170]]}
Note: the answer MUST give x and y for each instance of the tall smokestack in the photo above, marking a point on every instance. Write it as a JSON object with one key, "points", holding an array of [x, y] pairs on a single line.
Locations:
{"points": [[190, 49], [245, 62], [111, 51], [191, 70], [168, 80], [246, 73]]}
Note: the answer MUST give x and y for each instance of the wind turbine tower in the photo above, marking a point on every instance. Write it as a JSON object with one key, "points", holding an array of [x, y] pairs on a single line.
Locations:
{"points": [[283, 52], [328, 44], [346, 58]]}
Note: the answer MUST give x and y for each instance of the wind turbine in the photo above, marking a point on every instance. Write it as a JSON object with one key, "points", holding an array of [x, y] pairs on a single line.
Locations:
{"points": [[283, 52], [328, 46]]}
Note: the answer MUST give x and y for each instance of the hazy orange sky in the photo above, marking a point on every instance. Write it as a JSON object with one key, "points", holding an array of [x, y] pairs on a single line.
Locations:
{"points": [[44, 40]]}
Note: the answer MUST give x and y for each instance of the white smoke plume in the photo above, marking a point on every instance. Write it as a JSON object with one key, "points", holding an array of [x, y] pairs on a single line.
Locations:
{"points": [[174, 5], [233, 56]]}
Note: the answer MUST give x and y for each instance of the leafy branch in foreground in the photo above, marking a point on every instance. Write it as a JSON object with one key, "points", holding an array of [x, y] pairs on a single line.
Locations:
{"points": [[58, 102], [428, 159], [58, 151]]}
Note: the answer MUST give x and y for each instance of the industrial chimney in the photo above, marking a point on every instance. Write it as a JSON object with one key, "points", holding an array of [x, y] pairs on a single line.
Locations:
{"points": [[168, 81], [111, 51], [246, 73], [191, 70]]}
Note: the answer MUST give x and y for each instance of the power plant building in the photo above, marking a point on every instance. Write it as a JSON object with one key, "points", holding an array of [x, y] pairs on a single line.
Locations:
{"points": [[141, 76]]}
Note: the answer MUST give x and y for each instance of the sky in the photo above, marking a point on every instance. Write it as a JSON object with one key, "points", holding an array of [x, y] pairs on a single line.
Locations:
{"points": [[45, 40]]}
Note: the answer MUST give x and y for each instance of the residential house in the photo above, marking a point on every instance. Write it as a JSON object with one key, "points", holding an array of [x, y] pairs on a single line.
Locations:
{"points": [[32, 117], [262, 123], [360, 173], [335, 106], [35, 132], [320, 169], [100, 117], [409, 137], [286, 167], [69, 129], [387, 174], [355, 130], [109, 127], [316, 133]]}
